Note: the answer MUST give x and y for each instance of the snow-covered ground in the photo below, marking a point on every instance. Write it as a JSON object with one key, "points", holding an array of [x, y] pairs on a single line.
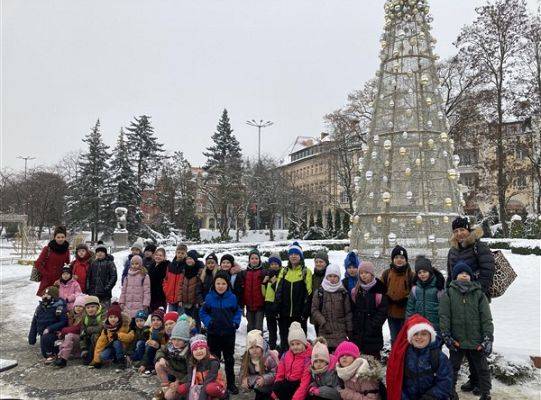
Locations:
{"points": [[516, 314]]}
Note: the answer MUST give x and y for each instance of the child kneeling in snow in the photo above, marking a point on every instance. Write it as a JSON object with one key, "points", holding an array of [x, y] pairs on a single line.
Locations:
{"points": [[259, 366], [417, 368], [172, 359], [205, 380], [293, 374], [325, 384], [361, 375], [70, 334]]}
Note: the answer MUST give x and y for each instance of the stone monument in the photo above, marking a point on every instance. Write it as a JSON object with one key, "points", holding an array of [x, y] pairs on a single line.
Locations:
{"points": [[120, 234]]}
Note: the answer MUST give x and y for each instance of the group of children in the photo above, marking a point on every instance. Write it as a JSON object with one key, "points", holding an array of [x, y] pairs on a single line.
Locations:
{"points": [[77, 318]]}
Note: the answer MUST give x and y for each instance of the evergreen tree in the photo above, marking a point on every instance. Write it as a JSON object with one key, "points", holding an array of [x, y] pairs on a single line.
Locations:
{"points": [[311, 220], [223, 183], [330, 227], [144, 148], [319, 218], [124, 190], [88, 202], [345, 224], [338, 223]]}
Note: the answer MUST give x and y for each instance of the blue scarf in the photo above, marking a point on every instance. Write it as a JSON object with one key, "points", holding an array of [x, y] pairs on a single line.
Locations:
{"points": [[351, 281]]}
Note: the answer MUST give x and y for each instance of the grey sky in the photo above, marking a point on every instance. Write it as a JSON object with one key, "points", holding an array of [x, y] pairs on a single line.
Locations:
{"points": [[66, 63]]}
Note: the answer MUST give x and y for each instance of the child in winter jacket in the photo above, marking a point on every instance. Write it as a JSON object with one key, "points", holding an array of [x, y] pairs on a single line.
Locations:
{"points": [[258, 368], [466, 325], [172, 359], [324, 384], [114, 339], [208, 273], [191, 288], [293, 293], [270, 281], [369, 311], [141, 334], [361, 375], [169, 321], [49, 318], [135, 293], [173, 279], [398, 279], [136, 250], [331, 309], [417, 368], [157, 269], [252, 291], [101, 277], [156, 338], [69, 288], [70, 334], [81, 264], [205, 380], [321, 262], [228, 264], [293, 373], [91, 326], [351, 264], [428, 288], [221, 315]]}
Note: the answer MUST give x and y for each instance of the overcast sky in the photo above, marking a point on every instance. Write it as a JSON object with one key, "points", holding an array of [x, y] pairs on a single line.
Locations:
{"points": [[67, 63]]}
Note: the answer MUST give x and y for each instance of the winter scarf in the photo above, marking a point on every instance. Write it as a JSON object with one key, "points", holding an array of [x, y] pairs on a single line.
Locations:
{"points": [[175, 353], [357, 367], [367, 286], [191, 271], [351, 281], [331, 287], [59, 248]]}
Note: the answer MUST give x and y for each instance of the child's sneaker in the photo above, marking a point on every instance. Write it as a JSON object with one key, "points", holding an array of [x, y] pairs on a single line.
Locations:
{"points": [[49, 360], [150, 372]]}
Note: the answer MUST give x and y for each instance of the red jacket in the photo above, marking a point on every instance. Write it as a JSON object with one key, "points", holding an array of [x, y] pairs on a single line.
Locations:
{"points": [[296, 367], [79, 267], [252, 292], [171, 286], [53, 257]]}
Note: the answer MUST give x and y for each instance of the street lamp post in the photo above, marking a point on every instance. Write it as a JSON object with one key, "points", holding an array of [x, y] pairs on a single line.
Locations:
{"points": [[259, 125], [26, 159]]}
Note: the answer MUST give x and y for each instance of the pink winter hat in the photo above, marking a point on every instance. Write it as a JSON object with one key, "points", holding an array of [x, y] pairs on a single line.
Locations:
{"points": [[347, 349], [80, 300], [367, 266], [320, 352]]}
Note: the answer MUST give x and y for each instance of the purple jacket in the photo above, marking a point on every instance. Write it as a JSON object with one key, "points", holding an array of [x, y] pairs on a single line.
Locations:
{"points": [[69, 291], [135, 293]]}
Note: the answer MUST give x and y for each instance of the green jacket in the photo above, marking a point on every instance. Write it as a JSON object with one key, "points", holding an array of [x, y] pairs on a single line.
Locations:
{"points": [[424, 299], [91, 328], [177, 359], [293, 291], [465, 314]]}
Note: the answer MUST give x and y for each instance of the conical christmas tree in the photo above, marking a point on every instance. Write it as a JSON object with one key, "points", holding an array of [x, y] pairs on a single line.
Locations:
{"points": [[407, 191]]}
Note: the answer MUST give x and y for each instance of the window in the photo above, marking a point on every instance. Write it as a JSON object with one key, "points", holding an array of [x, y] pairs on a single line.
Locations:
{"points": [[469, 180], [520, 154], [343, 197], [520, 181]]}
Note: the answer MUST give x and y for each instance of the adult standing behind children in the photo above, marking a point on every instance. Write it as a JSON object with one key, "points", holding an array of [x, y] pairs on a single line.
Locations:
{"points": [[157, 271], [101, 277], [52, 258], [398, 279]]}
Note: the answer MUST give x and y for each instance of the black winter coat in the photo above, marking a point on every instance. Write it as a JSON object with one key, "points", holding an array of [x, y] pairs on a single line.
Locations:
{"points": [[157, 273], [52, 316], [101, 278], [368, 319], [474, 253]]}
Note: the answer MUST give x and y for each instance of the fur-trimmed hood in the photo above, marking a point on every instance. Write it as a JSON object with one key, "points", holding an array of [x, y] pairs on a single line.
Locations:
{"points": [[475, 234]]}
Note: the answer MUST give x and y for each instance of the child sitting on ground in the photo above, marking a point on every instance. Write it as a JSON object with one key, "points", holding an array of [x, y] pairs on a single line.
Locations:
{"points": [[115, 337], [361, 375], [140, 336], [49, 318], [325, 384], [205, 380], [172, 360], [90, 328], [259, 365], [293, 374], [417, 368], [156, 338], [70, 334]]}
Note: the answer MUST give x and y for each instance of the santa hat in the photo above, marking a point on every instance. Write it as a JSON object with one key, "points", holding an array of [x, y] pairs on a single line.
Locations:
{"points": [[422, 326], [395, 364]]}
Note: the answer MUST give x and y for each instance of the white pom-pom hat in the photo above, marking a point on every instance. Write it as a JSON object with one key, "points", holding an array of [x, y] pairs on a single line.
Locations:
{"points": [[419, 328]]}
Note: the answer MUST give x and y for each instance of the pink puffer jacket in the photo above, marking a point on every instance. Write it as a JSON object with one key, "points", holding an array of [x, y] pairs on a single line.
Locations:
{"points": [[69, 291], [135, 293], [296, 367]]}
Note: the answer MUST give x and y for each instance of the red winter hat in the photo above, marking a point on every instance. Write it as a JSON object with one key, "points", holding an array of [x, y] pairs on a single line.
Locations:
{"points": [[115, 310], [170, 316], [395, 364]]}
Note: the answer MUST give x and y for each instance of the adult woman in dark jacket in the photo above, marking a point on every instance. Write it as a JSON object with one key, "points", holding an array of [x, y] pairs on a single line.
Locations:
{"points": [[52, 258]]}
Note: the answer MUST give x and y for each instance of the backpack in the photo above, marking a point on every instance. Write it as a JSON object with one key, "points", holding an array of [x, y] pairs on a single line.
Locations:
{"points": [[414, 290], [320, 293]]}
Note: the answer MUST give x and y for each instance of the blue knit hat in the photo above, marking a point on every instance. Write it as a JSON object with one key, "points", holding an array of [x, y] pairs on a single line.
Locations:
{"points": [[141, 314], [295, 248], [352, 260], [275, 258], [461, 266]]}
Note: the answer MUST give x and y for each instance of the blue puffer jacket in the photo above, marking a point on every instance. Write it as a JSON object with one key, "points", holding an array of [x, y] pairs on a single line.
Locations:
{"points": [[419, 378], [221, 313], [424, 299], [52, 316]]}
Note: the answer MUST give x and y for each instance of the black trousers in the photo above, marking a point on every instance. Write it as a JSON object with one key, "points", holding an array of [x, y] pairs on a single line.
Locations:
{"points": [[224, 345], [262, 396], [272, 326], [284, 323], [285, 390], [477, 362]]}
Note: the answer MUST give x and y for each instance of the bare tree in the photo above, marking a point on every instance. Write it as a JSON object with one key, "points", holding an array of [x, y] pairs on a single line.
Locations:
{"points": [[491, 45]]}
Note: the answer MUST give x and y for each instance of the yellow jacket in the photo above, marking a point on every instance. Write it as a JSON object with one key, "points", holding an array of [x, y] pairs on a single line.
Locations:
{"points": [[124, 335]]}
